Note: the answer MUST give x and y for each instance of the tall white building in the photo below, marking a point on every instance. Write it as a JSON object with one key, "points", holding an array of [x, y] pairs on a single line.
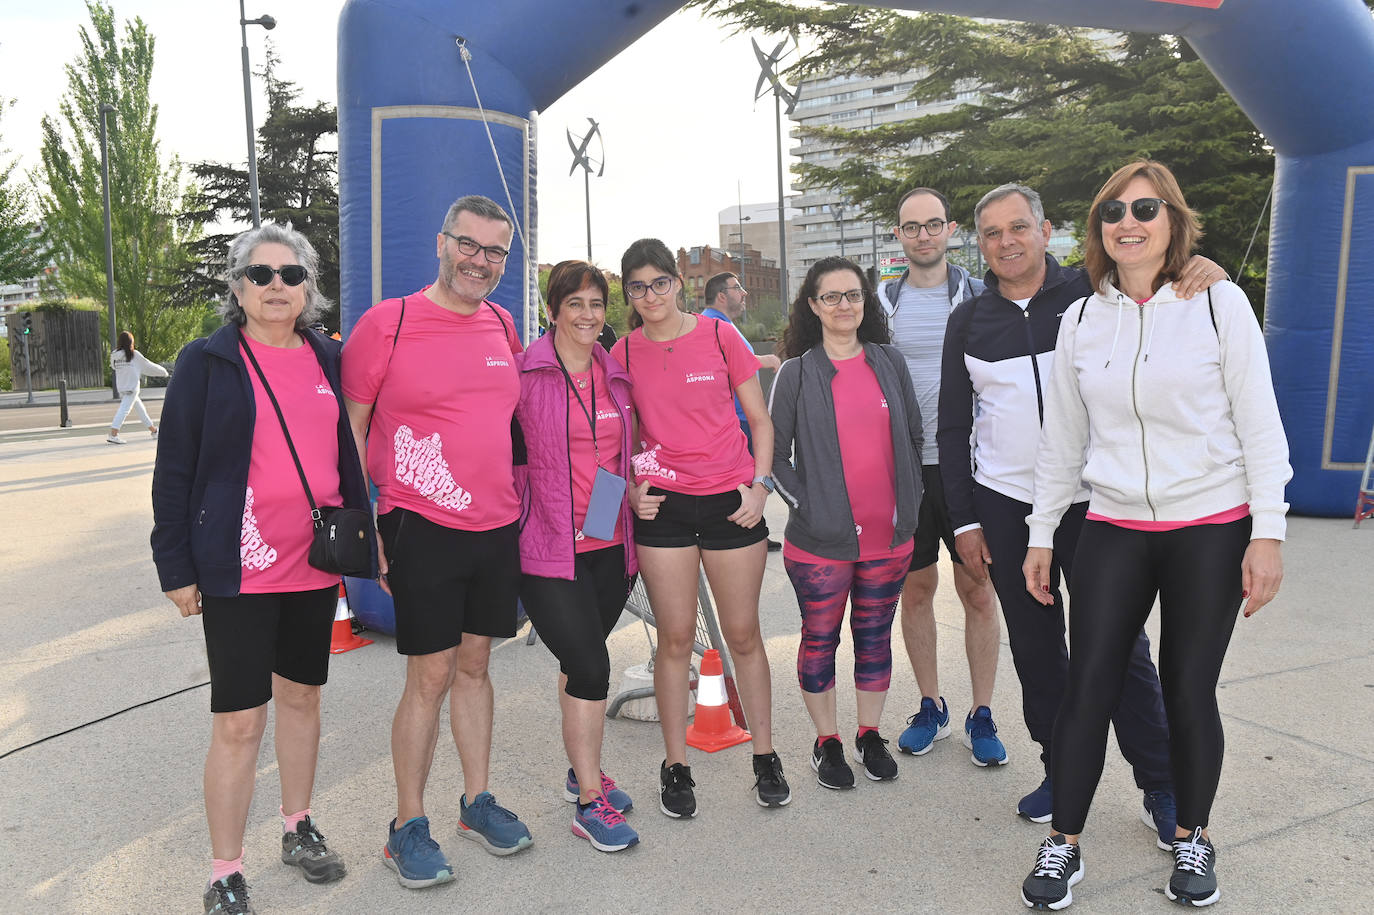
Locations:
{"points": [[858, 102]]}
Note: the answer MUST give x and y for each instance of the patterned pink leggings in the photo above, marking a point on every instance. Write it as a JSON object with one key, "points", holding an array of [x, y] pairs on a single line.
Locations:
{"points": [[874, 587]]}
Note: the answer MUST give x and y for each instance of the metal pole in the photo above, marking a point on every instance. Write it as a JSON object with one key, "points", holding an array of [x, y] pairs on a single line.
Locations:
{"points": [[66, 419], [839, 211], [782, 222], [587, 191], [109, 236], [248, 119], [874, 230], [28, 370]]}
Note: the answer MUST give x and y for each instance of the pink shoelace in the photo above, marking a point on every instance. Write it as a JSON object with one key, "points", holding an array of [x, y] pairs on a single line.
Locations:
{"points": [[602, 810]]}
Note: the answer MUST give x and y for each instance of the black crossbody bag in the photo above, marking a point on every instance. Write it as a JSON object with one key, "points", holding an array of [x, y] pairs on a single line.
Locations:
{"points": [[339, 545]]}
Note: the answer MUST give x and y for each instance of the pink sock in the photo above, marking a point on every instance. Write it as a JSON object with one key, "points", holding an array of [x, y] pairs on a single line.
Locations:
{"points": [[219, 868], [289, 820], [824, 737], [864, 729]]}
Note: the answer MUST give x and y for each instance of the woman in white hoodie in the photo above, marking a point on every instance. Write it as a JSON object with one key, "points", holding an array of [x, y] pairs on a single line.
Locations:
{"points": [[129, 368], [1165, 408]]}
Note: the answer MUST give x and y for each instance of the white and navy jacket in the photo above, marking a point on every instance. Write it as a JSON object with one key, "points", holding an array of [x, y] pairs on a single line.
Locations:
{"points": [[995, 368], [1165, 409]]}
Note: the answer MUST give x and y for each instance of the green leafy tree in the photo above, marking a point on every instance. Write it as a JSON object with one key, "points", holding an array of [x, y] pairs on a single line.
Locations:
{"points": [[1055, 108], [297, 183], [21, 256], [115, 68]]}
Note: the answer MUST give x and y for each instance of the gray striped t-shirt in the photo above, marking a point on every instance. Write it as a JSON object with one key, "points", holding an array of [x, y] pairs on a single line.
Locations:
{"points": [[918, 330]]}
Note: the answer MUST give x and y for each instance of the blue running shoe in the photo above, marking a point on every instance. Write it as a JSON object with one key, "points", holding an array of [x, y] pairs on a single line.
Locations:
{"points": [[603, 826], [980, 736], [925, 727], [614, 796], [414, 856], [486, 821], [1161, 815], [1038, 806]]}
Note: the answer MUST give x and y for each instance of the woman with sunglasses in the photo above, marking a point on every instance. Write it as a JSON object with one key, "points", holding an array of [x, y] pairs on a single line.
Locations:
{"points": [[232, 532], [1165, 408], [847, 459], [576, 555], [699, 497]]}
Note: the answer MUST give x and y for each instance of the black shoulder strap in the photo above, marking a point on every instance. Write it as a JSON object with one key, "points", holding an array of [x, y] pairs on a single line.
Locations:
{"points": [[1082, 308], [315, 518], [1213, 312]]}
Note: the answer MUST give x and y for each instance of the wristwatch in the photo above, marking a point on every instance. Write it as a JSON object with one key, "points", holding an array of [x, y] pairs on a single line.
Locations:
{"points": [[766, 480]]}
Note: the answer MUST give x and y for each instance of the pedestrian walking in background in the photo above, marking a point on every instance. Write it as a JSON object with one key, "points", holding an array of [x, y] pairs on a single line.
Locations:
{"points": [[129, 368]]}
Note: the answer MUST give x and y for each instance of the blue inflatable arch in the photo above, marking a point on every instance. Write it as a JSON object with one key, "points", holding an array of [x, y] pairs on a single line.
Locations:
{"points": [[412, 140]]}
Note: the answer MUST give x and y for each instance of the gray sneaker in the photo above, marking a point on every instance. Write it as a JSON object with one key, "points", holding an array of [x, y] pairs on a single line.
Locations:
{"points": [[304, 847]]}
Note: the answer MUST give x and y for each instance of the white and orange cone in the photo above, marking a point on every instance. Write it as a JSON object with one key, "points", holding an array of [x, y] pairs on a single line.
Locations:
{"points": [[712, 729], [343, 638]]}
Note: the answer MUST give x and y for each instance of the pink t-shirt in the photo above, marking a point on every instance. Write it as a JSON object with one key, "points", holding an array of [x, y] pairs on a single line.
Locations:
{"points": [[870, 470], [440, 440], [583, 457], [275, 538], [684, 397], [1225, 517]]}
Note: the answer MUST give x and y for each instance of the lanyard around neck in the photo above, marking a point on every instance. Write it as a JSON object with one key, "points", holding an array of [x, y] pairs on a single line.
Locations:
{"points": [[591, 415]]}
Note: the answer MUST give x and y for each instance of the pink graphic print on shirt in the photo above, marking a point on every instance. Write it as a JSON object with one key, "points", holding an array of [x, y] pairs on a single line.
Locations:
{"points": [[646, 464], [254, 552], [420, 465]]}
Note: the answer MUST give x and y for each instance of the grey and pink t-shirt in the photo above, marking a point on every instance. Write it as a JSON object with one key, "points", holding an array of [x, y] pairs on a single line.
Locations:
{"points": [[440, 441], [684, 391], [274, 540]]}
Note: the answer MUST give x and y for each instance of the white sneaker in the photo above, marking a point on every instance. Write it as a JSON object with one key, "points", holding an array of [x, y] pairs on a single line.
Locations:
{"points": [[153, 433], [116, 439]]}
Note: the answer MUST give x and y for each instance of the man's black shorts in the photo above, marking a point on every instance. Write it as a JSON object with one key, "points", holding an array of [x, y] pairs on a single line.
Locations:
{"points": [[932, 522], [445, 582]]}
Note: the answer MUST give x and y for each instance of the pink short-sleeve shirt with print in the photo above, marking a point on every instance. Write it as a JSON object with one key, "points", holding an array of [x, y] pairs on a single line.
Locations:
{"points": [[440, 441], [684, 397], [585, 451], [275, 538]]}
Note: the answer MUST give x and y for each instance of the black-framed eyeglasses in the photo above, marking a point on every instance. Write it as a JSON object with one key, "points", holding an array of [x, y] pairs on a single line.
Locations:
{"points": [[831, 299], [494, 254], [638, 289], [261, 274], [1144, 209], [913, 229]]}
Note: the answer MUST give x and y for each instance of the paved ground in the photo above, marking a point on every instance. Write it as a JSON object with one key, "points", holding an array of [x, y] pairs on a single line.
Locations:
{"points": [[109, 817]]}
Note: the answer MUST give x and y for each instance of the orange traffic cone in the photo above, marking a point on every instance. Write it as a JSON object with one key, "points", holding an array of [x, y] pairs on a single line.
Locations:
{"points": [[712, 728], [343, 638]]}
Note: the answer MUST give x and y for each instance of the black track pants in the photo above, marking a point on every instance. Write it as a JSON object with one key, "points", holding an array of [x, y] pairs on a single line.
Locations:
{"points": [[1036, 635], [1117, 572]]}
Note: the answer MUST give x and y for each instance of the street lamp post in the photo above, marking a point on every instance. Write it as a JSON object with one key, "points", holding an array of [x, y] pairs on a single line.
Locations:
{"points": [[105, 109], [838, 210], [268, 23]]}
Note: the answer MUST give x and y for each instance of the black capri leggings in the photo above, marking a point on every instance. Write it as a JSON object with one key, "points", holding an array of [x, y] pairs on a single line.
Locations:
{"points": [[1116, 575], [574, 617]]}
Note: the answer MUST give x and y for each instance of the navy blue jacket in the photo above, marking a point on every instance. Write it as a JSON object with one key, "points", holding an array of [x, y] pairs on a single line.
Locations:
{"points": [[205, 442]]}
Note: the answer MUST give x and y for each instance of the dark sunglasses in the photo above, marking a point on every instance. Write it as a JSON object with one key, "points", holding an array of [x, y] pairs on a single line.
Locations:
{"points": [[1144, 209], [261, 274]]}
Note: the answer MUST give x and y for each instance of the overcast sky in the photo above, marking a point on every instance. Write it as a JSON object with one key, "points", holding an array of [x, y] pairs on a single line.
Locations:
{"points": [[670, 185]]}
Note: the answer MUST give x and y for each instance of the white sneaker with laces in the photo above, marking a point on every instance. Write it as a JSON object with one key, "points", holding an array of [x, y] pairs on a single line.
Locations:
{"points": [[116, 439]]}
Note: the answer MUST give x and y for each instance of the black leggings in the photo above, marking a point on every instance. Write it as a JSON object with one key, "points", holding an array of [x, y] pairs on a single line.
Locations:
{"points": [[1117, 573], [574, 617]]}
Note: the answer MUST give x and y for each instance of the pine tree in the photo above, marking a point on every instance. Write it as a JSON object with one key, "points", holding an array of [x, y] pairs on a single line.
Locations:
{"points": [[1056, 108]]}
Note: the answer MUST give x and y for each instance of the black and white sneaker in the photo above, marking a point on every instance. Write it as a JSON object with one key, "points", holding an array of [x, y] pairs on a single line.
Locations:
{"points": [[675, 796], [770, 788], [870, 752], [1194, 880], [304, 847], [827, 761], [1058, 866], [228, 896]]}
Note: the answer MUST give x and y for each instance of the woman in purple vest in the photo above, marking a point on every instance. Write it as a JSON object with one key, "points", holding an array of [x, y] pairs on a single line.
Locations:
{"points": [[574, 411]]}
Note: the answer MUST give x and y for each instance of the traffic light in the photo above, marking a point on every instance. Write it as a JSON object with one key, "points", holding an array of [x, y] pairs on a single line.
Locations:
{"points": [[28, 322]]}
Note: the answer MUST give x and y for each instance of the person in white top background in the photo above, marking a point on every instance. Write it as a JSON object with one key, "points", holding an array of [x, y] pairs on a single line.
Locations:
{"points": [[129, 368]]}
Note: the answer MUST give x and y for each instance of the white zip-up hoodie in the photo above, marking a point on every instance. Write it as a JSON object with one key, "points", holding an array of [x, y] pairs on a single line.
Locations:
{"points": [[1164, 416], [129, 373]]}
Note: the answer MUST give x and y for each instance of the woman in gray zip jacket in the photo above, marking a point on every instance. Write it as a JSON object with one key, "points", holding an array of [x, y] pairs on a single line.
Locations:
{"points": [[847, 459]]}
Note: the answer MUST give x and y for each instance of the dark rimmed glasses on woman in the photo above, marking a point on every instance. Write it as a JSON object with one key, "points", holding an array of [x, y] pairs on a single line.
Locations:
{"points": [[261, 274], [853, 297], [1144, 209], [638, 290]]}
